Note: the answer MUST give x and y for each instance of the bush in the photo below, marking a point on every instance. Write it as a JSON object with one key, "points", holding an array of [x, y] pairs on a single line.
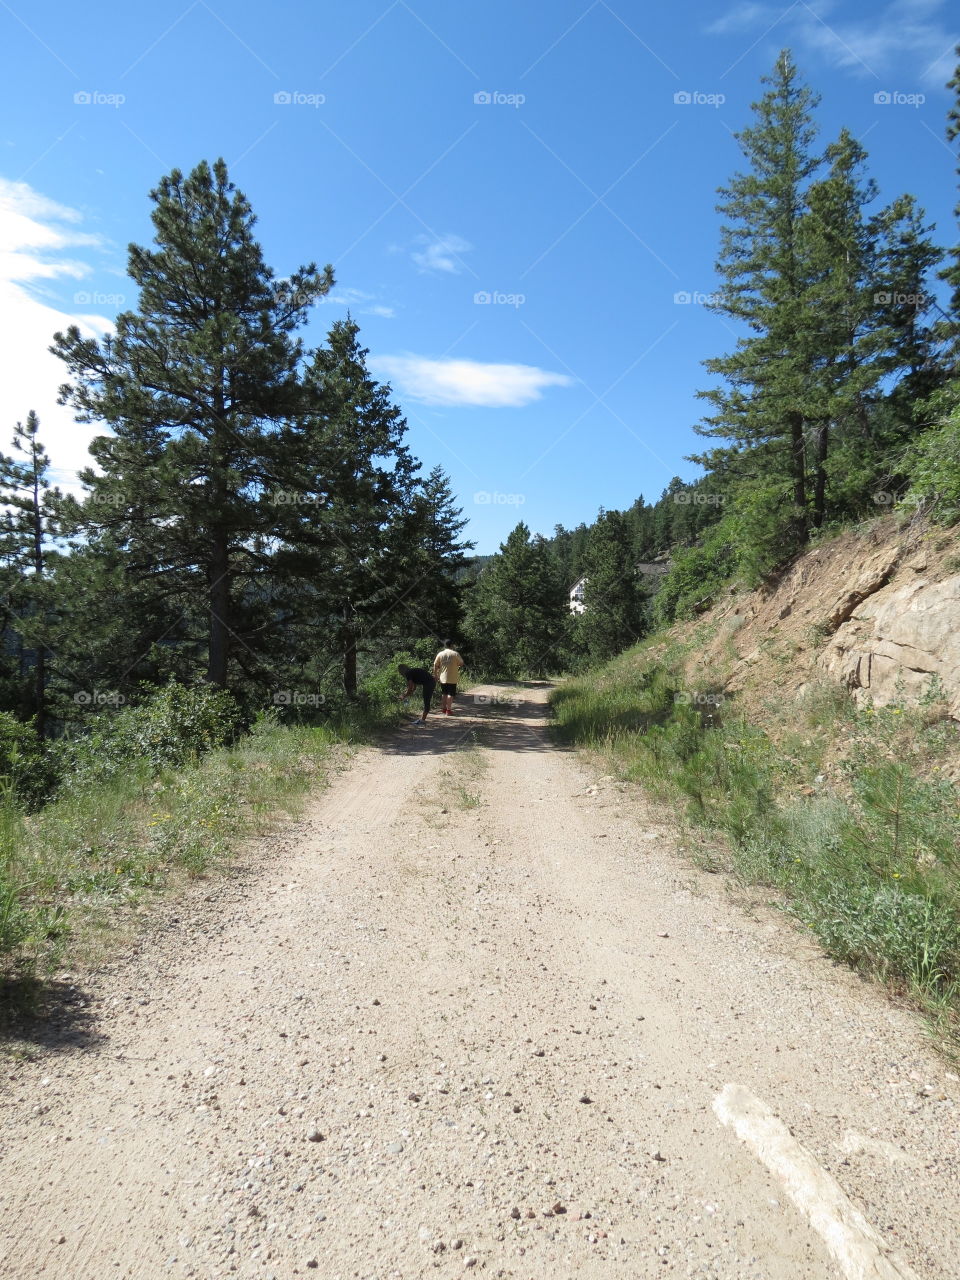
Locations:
{"points": [[172, 726], [695, 577], [934, 468], [27, 769]]}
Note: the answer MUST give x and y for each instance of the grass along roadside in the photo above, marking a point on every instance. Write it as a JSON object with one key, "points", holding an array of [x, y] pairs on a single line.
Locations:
{"points": [[71, 872], [847, 813]]}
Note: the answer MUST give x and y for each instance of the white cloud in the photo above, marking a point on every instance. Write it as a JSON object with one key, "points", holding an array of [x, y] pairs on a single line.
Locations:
{"points": [[904, 41], [467, 382], [357, 300], [741, 17], [37, 240], [441, 253]]}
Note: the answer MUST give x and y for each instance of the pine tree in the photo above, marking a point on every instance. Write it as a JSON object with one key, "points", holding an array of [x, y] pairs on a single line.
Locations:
{"points": [[614, 597], [198, 385], [28, 523], [951, 274], [431, 530], [518, 612], [844, 341], [760, 405], [345, 559]]}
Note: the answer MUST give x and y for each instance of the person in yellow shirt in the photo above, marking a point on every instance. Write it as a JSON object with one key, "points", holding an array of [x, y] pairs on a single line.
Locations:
{"points": [[447, 666]]}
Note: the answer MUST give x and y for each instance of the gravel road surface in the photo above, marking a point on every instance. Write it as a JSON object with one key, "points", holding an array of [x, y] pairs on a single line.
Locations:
{"points": [[471, 1014]]}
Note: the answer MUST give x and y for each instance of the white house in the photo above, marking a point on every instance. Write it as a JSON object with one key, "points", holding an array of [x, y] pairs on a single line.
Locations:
{"points": [[576, 596], [652, 569]]}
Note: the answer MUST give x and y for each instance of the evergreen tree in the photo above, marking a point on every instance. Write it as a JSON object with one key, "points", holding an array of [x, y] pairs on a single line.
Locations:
{"points": [[519, 613], [760, 405], [613, 594], [198, 386], [27, 525], [845, 345], [951, 273], [432, 529], [345, 561]]}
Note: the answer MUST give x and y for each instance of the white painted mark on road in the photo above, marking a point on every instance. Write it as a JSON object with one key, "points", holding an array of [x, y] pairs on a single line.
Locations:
{"points": [[858, 1250]]}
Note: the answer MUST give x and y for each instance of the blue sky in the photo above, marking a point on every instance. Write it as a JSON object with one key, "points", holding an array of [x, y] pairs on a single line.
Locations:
{"points": [[512, 196]]}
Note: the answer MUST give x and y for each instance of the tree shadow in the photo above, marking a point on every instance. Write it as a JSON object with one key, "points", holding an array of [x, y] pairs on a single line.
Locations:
{"points": [[496, 717], [53, 1016]]}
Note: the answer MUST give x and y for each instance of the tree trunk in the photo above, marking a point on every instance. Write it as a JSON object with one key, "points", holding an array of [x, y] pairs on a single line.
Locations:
{"points": [[349, 660], [40, 667], [820, 474], [798, 475], [219, 598]]}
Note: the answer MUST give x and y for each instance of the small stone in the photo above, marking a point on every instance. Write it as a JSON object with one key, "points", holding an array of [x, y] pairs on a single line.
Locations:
{"points": [[514, 1212], [438, 1246], [559, 1208], [376, 1001], [517, 1108], [314, 1135], [60, 1240], [395, 1147], [413, 1097], [663, 935], [312, 1264], [655, 1155], [585, 1098], [470, 1261]]}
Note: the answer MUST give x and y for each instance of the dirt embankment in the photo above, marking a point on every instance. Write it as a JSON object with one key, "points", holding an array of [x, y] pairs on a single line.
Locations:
{"points": [[876, 610]]}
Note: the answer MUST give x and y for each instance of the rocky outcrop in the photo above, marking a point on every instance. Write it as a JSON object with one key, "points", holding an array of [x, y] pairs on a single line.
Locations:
{"points": [[876, 608], [897, 639]]}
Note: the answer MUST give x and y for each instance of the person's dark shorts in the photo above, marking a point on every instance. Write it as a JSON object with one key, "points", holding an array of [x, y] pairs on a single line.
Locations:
{"points": [[448, 690]]}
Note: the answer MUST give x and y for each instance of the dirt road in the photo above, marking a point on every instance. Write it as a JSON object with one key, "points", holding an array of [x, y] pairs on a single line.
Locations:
{"points": [[475, 1014]]}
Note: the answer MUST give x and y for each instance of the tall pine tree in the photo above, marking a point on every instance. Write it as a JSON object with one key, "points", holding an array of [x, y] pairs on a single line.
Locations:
{"points": [[196, 385]]}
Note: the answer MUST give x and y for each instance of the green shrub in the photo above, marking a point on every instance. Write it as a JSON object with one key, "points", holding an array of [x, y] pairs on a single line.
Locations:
{"points": [[696, 575], [934, 468], [27, 769], [173, 725]]}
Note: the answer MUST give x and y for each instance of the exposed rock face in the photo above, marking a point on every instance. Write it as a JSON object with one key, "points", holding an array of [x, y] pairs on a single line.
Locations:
{"points": [[897, 638], [877, 609]]}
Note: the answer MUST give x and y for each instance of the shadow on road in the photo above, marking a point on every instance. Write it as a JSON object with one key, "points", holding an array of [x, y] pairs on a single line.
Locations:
{"points": [[53, 1016], [497, 717]]}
